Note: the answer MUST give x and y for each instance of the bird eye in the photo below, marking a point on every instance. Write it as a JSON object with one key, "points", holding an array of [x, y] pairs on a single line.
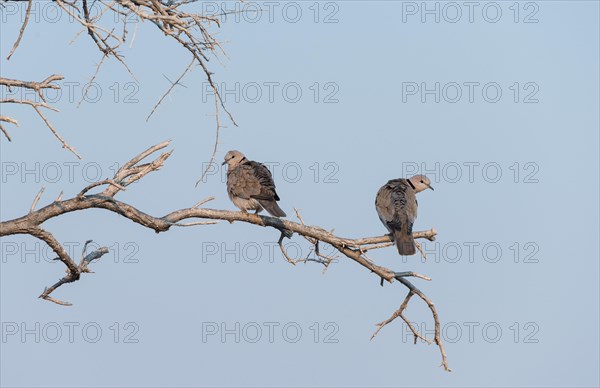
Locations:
{"points": [[422, 181]]}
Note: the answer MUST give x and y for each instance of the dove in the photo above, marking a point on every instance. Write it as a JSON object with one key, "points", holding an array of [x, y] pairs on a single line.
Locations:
{"points": [[396, 205], [250, 185]]}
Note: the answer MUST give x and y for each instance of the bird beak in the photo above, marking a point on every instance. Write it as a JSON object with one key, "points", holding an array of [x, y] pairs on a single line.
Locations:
{"points": [[431, 187], [222, 164]]}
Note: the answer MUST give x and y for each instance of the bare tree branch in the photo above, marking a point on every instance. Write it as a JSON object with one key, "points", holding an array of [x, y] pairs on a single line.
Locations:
{"points": [[73, 271], [189, 30], [132, 171], [436, 320], [398, 313], [39, 88]]}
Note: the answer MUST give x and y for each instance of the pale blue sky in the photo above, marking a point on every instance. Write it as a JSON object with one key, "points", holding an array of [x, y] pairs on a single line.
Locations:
{"points": [[169, 291]]}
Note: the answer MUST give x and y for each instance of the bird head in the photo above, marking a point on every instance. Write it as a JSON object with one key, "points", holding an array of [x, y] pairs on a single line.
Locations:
{"points": [[233, 158], [420, 182]]}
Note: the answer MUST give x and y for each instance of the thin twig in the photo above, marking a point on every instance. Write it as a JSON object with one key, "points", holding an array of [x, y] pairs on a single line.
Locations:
{"points": [[64, 143], [38, 87], [399, 313], [173, 84], [285, 255], [87, 86], [27, 13], [410, 273], [421, 250], [100, 183], [196, 223], [205, 200], [5, 133], [214, 152], [377, 246], [36, 199]]}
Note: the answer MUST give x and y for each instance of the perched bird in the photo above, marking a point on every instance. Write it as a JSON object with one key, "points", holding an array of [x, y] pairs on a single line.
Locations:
{"points": [[250, 185], [396, 206]]}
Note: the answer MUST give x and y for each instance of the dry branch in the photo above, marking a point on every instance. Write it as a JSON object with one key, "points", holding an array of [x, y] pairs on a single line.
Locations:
{"points": [[191, 31], [39, 88], [133, 171]]}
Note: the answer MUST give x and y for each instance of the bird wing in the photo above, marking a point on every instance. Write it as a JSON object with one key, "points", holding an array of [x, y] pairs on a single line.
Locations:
{"points": [[384, 204], [252, 180]]}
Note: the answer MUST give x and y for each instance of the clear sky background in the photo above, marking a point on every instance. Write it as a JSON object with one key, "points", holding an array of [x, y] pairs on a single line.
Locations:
{"points": [[515, 265]]}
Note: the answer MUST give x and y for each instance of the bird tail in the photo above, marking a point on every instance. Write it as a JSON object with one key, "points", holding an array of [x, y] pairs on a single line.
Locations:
{"points": [[273, 208], [405, 243]]}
